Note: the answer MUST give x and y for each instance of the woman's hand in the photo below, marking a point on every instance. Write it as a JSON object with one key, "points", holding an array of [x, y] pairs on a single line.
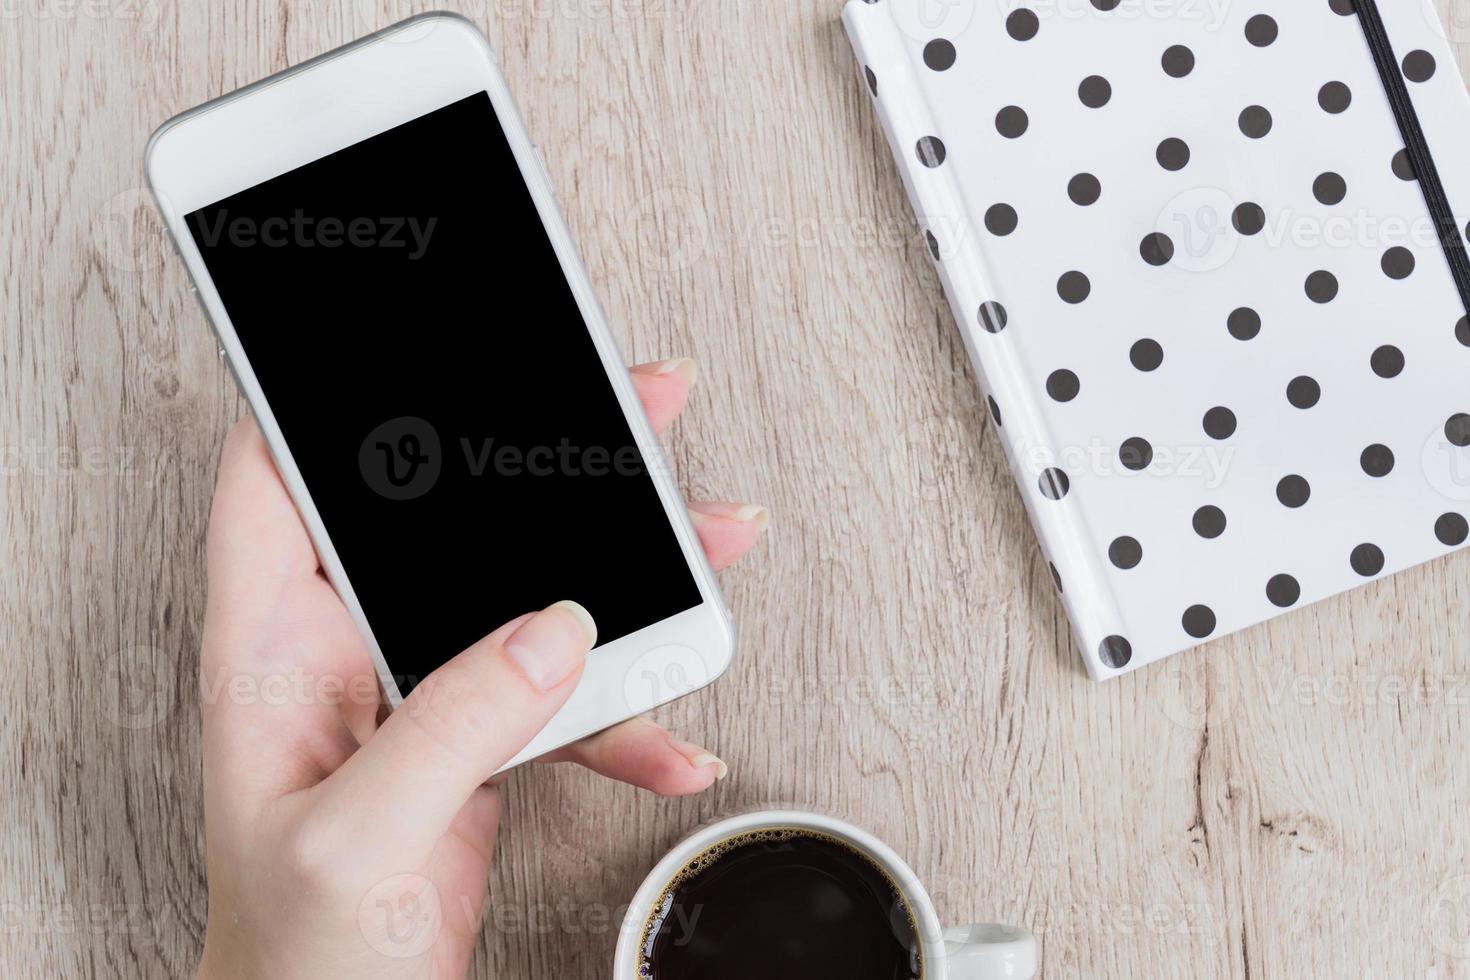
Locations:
{"points": [[339, 846]]}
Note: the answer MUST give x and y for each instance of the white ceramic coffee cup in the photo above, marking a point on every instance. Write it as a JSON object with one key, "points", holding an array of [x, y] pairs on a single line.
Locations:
{"points": [[975, 952]]}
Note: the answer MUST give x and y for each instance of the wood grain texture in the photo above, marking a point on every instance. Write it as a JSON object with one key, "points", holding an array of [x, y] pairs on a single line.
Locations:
{"points": [[1288, 802]]}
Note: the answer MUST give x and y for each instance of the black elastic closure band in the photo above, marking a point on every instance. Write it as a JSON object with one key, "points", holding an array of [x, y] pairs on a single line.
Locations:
{"points": [[1417, 146]]}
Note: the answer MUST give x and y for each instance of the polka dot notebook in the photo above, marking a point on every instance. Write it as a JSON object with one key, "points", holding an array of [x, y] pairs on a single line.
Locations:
{"points": [[1207, 259]]}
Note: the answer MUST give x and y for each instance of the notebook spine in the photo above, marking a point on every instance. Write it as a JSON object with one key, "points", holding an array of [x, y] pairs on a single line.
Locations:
{"points": [[890, 75]]}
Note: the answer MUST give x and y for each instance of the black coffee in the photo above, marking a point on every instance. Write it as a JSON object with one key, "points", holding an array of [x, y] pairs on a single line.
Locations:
{"points": [[783, 904]]}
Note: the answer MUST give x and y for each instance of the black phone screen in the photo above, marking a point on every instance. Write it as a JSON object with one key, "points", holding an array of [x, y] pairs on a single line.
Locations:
{"points": [[421, 349]]}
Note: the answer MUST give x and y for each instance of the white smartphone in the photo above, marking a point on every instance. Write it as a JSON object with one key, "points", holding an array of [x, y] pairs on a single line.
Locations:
{"points": [[374, 237]]}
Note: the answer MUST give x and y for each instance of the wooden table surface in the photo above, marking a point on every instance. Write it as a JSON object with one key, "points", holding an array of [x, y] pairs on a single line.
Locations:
{"points": [[1289, 802]]}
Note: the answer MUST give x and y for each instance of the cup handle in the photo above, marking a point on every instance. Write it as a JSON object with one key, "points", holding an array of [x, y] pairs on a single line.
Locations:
{"points": [[990, 952]]}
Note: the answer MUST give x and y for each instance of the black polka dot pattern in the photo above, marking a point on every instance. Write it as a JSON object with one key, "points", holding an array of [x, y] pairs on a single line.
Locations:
{"points": [[1000, 219], [1303, 392], [1283, 590], [1012, 122], [1172, 154], [940, 54], [1387, 361], [1115, 651], [1199, 621], [1329, 188], [1327, 354], [1451, 529], [1398, 263], [1022, 25], [1136, 453], [1125, 552], [931, 151], [1209, 522], [993, 317], [1146, 354], [1261, 30], [1062, 385], [1377, 460], [1255, 121], [1248, 218], [1335, 97], [1084, 190], [1367, 560], [1322, 287], [1403, 166], [1178, 61], [1074, 287], [1054, 483], [1095, 91], [1219, 423], [1457, 430], [1419, 66], [1244, 323], [1293, 491], [1156, 248]]}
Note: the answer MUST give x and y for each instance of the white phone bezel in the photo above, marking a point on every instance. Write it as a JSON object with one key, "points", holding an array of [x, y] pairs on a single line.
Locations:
{"points": [[341, 98]]}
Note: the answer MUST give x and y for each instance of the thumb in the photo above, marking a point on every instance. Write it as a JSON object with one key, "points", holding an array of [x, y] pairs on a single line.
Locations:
{"points": [[461, 724]]}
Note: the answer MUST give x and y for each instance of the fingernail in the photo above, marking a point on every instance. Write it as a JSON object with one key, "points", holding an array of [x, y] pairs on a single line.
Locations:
{"points": [[751, 514], [551, 645], [741, 513], [700, 757], [683, 365]]}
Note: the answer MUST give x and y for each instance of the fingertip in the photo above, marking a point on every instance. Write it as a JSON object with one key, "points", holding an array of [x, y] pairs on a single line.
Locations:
{"points": [[672, 773], [752, 514], [728, 530], [684, 367], [642, 753], [663, 388], [549, 647], [582, 616], [700, 759]]}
